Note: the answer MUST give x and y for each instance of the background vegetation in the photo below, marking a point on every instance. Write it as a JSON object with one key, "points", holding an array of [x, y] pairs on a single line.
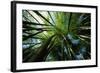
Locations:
{"points": [[56, 36]]}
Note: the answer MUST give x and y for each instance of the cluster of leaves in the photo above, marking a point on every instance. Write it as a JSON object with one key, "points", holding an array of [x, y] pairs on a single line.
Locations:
{"points": [[56, 36]]}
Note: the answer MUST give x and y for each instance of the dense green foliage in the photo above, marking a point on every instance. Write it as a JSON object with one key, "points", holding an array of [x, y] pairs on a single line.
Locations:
{"points": [[56, 36]]}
